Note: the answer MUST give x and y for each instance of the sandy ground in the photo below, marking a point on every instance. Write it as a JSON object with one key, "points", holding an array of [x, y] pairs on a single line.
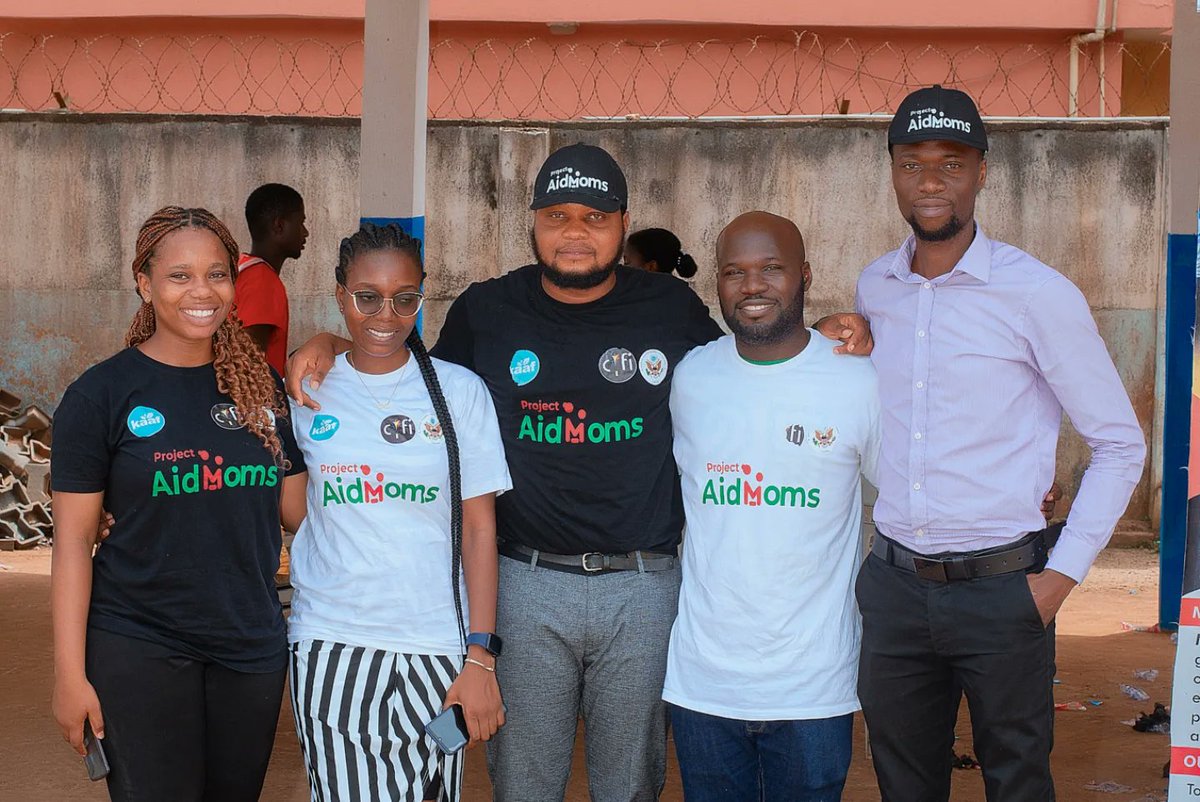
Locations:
{"points": [[1094, 656]]}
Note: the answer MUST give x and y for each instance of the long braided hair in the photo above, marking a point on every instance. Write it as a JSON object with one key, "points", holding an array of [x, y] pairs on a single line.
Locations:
{"points": [[391, 237], [242, 372]]}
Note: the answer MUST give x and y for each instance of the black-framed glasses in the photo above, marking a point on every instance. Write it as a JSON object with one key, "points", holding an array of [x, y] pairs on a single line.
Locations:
{"points": [[404, 304]]}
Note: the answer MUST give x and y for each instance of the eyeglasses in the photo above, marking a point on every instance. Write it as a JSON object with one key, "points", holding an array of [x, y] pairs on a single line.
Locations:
{"points": [[404, 304]]}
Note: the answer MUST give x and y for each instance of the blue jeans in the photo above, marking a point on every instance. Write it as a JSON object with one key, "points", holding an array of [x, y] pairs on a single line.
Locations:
{"points": [[731, 760]]}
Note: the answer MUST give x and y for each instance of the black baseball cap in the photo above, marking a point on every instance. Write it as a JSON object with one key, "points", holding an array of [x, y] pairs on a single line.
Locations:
{"points": [[937, 113], [582, 174]]}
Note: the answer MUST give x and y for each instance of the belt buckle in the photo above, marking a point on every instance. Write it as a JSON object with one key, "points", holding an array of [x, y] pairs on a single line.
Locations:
{"points": [[592, 568], [930, 569]]}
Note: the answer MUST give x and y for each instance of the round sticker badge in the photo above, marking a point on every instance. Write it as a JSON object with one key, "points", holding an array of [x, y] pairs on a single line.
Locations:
{"points": [[618, 365], [431, 429], [145, 421], [226, 416], [524, 367], [397, 429], [653, 366], [324, 427]]}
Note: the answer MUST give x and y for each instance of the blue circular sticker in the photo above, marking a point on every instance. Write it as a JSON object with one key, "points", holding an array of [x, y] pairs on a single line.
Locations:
{"points": [[324, 427], [145, 421], [524, 367]]}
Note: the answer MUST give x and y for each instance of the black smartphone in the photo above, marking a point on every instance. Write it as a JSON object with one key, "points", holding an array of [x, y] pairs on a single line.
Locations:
{"points": [[449, 730], [94, 760]]}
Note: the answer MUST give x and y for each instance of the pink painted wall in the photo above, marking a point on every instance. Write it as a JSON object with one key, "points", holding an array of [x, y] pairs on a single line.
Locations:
{"points": [[1022, 14], [309, 62]]}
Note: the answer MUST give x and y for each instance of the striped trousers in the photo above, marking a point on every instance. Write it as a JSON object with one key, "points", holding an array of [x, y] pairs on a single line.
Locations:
{"points": [[360, 717]]}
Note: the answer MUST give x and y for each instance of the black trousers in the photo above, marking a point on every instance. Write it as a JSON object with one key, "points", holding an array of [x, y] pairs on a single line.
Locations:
{"points": [[179, 729], [925, 643]]}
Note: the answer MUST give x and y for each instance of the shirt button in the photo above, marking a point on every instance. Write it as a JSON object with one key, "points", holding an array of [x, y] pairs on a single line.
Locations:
{"points": [[921, 333], [928, 285], [917, 436], [916, 485], [920, 385], [920, 533]]}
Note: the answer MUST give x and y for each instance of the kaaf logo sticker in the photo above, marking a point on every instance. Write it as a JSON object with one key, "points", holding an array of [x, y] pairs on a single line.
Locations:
{"points": [[524, 367], [324, 427], [226, 416], [398, 429], [653, 366], [794, 434], [145, 421], [824, 438], [431, 429], [618, 365]]}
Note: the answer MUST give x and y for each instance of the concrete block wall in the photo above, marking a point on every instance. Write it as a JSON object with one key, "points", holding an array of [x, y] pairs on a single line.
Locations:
{"points": [[1086, 197]]}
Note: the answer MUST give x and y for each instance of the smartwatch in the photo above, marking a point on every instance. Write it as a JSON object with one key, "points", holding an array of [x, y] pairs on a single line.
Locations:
{"points": [[490, 642]]}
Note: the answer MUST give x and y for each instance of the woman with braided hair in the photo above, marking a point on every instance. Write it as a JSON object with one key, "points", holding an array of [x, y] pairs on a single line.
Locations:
{"points": [[405, 462], [169, 642]]}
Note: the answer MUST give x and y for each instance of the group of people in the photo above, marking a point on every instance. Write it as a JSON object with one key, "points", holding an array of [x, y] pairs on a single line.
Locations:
{"points": [[499, 523]]}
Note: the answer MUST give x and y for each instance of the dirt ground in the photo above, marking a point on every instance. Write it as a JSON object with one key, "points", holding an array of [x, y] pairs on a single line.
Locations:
{"points": [[1094, 656]]}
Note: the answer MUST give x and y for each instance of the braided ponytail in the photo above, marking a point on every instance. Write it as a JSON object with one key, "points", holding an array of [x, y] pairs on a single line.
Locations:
{"points": [[371, 237]]}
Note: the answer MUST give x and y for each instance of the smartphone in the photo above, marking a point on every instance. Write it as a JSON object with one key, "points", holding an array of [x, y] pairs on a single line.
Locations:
{"points": [[94, 760], [449, 730]]}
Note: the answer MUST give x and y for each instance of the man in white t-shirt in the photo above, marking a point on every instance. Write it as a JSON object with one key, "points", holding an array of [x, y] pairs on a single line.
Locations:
{"points": [[773, 432]]}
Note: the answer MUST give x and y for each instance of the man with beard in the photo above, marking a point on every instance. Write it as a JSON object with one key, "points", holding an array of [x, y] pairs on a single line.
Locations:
{"points": [[980, 348], [577, 352], [764, 653]]}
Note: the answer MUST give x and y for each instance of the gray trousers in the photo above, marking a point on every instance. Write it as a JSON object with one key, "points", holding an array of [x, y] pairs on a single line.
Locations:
{"points": [[590, 645]]}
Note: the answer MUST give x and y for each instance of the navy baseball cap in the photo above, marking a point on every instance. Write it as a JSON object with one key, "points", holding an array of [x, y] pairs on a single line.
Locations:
{"points": [[938, 113], [582, 174]]}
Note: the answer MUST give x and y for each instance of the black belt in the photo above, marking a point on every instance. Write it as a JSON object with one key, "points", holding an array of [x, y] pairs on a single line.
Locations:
{"points": [[1028, 553], [594, 562]]}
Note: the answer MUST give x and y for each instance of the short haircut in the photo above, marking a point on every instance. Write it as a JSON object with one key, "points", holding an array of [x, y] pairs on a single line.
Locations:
{"points": [[267, 204]]}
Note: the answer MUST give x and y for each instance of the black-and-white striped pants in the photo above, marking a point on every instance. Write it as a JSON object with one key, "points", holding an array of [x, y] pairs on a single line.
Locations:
{"points": [[361, 715]]}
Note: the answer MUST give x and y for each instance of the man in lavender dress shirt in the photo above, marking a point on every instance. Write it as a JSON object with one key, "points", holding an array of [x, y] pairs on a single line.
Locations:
{"points": [[980, 348]]}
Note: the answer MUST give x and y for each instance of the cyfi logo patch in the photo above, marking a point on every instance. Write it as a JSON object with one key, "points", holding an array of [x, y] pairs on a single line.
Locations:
{"points": [[226, 416], [324, 427], [398, 429], [524, 367], [618, 365], [794, 434], [145, 421]]}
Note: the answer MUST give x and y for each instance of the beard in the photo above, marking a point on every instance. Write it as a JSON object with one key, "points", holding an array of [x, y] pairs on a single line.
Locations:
{"points": [[585, 280], [947, 231], [790, 318]]}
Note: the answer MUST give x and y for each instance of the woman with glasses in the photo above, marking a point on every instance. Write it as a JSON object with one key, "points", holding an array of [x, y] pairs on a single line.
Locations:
{"points": [[405, 461]]}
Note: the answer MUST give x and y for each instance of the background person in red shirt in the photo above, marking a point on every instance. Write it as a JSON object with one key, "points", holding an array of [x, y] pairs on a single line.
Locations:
{"points": [[275, 216]]}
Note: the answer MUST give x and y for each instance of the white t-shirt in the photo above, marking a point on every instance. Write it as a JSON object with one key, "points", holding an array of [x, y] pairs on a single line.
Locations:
{"points": [[770, 458], [371, 562]]}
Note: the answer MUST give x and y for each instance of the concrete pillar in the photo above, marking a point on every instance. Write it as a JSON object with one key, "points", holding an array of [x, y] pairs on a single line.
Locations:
{"points": [[395, 104], [1179, 531]]}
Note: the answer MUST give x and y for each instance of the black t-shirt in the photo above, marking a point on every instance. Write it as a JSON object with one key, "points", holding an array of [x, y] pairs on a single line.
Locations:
{"points": [[190, 562], [582, 394]]}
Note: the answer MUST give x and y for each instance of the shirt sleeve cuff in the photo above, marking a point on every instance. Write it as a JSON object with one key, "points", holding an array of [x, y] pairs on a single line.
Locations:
{"points": [[1073, 556]]}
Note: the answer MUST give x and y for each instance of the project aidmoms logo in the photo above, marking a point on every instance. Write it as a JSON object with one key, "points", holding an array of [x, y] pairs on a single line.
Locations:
{"points": [[211, 474], [562, 422], [354, 484], [739, 485]]}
